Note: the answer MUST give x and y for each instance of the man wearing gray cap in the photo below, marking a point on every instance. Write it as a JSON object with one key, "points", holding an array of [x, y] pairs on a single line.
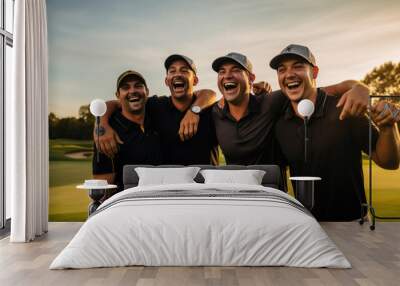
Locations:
{"points": [[244, 125], [183, 120], [334, 145]]}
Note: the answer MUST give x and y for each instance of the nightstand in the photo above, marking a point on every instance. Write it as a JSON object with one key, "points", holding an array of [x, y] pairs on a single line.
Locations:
{"points": [[304, 190], [95, 193]]}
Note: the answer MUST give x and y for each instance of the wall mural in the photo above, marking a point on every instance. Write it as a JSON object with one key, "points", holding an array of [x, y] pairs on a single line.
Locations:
{"points": [[92, 42]]}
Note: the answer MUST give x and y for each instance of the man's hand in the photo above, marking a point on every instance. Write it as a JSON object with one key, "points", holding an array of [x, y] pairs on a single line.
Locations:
{"points": [[385, 114], [354, 102], [108, 140], [261, 87], [188, 125]]}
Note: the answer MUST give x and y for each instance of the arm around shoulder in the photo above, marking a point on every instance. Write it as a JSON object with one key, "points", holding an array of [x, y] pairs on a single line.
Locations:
{"points": [[205, 98], [108, 139], [354, 97], [189, 123]]}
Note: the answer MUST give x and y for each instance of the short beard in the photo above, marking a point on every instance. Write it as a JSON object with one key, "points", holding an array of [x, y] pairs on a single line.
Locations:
{"points": [[183, 97], [136, 112], [238, 100], [130, 110]]}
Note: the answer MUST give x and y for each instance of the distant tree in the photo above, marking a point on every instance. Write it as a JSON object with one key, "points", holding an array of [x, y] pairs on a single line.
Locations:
{"points": [[384, 80], [52, 117], [53, 121], [87, 121], [72, 127], [85, 115]]}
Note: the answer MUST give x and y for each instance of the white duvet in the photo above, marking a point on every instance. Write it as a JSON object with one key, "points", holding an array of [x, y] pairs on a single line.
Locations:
{"points": [[206, 230]]}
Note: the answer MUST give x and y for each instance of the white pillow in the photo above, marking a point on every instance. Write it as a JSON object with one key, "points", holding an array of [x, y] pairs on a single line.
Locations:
{"points": [[248, 177], [166, 176]]}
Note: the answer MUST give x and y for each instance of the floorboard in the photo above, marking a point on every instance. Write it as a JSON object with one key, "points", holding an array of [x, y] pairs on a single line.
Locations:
{"points": [[374, 255]]}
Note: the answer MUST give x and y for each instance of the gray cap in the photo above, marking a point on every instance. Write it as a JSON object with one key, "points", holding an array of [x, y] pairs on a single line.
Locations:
{"points": [[240, 59], [175, 57], [293, 50]]}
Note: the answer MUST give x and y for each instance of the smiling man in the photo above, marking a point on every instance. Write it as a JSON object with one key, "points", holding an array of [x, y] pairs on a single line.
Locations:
{"points": [[141, 142], [244, 125], [183, 120], [335, 145], [168, 113], [245, 122]]}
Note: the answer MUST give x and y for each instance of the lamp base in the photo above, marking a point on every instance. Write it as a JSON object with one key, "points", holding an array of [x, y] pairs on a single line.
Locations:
{"points": [[304, 190]]}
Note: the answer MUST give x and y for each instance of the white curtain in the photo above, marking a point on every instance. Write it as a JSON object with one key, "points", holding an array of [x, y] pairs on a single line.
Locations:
{"points": [[27, 145]]}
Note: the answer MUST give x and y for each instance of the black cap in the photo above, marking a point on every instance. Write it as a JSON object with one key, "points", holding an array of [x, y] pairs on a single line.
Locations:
{"points": [[240, 59], [130, 73], [293, 50], [175, 57]]}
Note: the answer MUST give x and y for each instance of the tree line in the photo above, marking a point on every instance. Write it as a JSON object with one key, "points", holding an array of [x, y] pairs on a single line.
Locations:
{"points": [[80, 128], [382, 80]]}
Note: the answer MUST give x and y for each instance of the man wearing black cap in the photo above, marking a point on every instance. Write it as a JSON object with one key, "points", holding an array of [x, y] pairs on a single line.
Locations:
{"points": [[183, 120], [334, 145], [244, 126], [141, 143]]}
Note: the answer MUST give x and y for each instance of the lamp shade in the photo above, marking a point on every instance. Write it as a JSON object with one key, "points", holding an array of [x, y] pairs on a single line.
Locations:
{"points": [[305, 108], [98, 107]]}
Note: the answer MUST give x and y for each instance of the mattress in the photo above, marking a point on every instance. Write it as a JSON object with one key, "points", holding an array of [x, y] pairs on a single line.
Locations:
{"points": [[201, 225]]}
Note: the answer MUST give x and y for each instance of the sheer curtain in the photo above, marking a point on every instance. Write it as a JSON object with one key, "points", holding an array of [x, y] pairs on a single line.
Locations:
{"points": [[27, 148]]}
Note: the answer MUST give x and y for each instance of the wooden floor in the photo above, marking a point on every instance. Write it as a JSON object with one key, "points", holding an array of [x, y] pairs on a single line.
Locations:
{"points": [[375, 256]]}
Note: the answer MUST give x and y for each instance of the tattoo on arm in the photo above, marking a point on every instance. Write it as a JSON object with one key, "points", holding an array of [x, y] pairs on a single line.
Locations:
{"points": [[100, 130]]}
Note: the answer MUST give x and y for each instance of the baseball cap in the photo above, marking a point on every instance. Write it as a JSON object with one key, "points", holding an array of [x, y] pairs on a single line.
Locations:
{"points": [[293, 50], [130, 73], [240, 59], [175, 57]]}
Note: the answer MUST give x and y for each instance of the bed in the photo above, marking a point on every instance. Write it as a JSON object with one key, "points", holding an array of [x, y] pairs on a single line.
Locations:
{"points": [[201, 224]]}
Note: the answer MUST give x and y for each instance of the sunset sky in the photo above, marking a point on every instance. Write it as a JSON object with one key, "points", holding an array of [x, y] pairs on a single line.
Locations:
{"points": [[92, 42]]}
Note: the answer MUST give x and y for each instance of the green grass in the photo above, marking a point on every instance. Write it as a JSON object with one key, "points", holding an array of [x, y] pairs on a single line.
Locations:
{"points": [[59, 147], [385, 190], [66, 203], [69, 172]]}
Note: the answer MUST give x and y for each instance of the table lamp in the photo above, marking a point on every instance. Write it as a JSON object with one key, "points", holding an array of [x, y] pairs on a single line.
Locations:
{"points": [[305, 108], [98, 107], [304, 190]]}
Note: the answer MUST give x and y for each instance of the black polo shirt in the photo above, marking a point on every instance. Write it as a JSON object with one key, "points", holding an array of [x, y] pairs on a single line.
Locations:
{"points": [[334, 155], [251, 139], [167, 118], [138, 148]]}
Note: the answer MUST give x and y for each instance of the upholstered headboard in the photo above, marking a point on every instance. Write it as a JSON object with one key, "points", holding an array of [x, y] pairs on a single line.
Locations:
{"points": [[272, 177]]}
